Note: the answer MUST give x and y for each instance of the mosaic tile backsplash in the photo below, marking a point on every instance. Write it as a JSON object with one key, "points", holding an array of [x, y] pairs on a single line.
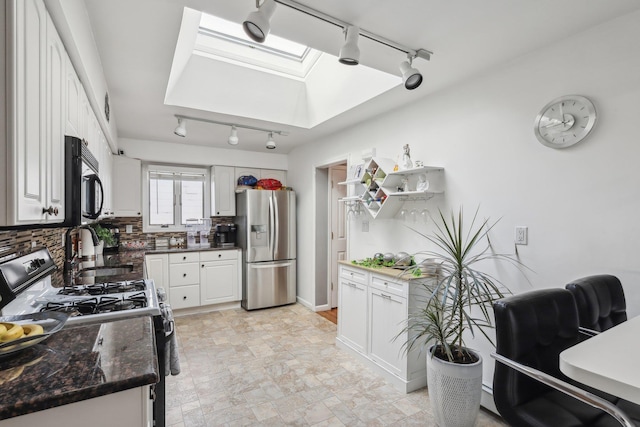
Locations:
{"points": [[19, 242]]}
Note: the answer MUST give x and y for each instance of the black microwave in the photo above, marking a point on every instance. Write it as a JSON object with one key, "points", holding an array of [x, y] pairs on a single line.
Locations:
{"points": [[84, 194]]}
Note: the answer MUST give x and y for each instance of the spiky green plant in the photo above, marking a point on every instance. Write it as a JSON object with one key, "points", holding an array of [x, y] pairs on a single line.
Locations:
{"points": [[460, 287]]}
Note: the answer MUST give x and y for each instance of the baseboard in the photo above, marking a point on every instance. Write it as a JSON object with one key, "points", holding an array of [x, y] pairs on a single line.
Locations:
{"points": [[324, 307], [304, 302], [486, 401]]}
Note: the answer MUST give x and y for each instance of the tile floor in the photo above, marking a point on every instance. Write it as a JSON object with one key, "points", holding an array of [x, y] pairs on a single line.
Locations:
{"points": [[278, 367]]}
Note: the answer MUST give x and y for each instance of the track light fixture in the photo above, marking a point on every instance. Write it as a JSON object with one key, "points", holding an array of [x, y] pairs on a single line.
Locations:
{"points": [[271, 144], [411, 77], [258, 24], [233, 138], [350, 52], [181, 129]]}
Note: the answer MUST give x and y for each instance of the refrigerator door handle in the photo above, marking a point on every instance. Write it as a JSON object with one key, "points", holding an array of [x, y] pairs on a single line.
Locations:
{"points": [[270, 266], [272, 225], [276, 232]]}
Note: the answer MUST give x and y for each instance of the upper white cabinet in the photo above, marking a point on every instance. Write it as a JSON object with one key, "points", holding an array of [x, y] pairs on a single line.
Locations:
{"points": [[74, 89], [34, 176], [127, 186], [224, 191]]}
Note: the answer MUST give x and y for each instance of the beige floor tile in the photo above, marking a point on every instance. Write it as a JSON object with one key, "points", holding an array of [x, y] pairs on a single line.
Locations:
{"points": [[278, 367]]}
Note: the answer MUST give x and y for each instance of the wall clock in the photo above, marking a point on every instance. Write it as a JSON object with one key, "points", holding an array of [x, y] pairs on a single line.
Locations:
{"points": [[565, 121]]}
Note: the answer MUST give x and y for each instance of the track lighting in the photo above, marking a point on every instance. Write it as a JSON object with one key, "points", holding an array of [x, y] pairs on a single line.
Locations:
{"points": [[257, 25], [181, 129], [411, 77], [271, 144], [350, 53], [233, 138]]}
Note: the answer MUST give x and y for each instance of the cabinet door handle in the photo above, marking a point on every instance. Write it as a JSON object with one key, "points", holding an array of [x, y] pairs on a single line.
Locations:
{"points": [[184, 297], [386, 296], [50, 211], [353, 285], [184, 258], [184, 275], [219, 255], [202, 265]]}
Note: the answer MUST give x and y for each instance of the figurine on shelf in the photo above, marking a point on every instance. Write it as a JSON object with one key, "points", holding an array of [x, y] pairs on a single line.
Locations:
{"points": [[406, 158]]}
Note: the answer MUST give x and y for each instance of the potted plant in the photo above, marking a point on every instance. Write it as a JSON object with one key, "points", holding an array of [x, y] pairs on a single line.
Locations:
{"points": [[104, 235], [458, 301]]}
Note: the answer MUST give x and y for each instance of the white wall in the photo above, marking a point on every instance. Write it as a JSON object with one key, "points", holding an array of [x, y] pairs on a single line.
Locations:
{"points": [[168, 152], [580, 203]]}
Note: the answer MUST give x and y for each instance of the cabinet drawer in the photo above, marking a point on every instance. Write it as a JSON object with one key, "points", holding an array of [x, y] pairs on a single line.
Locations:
{"points": [[387, 284], [183, 257], [354, 274], [184, 296], [218, 255], [184, 274]]}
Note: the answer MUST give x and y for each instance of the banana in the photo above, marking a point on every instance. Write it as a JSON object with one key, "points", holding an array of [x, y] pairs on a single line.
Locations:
{"points": [[14, 332], [33, 329]]}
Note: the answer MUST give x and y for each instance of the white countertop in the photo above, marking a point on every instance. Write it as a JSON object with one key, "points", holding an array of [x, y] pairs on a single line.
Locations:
{"points": [[608, 361]]}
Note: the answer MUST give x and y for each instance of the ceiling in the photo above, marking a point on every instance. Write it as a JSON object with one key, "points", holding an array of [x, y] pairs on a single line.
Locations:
{"points": [[136, 40]]}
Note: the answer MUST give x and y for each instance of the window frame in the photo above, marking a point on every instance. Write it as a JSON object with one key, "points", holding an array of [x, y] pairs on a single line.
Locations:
{"points": [[146, 168]]}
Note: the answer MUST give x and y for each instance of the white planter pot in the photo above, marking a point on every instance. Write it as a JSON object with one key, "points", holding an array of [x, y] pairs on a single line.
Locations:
{"points": [[454, 391], [100, 248]]}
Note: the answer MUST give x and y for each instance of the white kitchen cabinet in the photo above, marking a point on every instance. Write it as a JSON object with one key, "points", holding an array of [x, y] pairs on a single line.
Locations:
{"points": [[128, 408], [74, 88], [373, 310], [157, 269], [219, 277], [184, 280], [34, 176], [352, 321], [126, 186], [223, 188], [387, 312]]}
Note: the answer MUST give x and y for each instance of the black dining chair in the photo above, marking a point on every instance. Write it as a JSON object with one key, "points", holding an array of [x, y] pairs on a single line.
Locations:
{"points": [[600, 300], [532, 329]]}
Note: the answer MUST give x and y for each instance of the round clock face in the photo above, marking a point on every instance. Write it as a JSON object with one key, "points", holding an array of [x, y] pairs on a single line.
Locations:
{"points": [[565, 121]]}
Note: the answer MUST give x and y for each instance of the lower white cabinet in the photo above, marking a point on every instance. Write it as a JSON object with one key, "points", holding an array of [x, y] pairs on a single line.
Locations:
{"points": [[352, 323], [194, 279], [373, 311], [128, 408], [219, 277]]}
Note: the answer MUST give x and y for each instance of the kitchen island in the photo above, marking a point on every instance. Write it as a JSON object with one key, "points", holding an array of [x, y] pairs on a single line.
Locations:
{"points": [[98, 375]]}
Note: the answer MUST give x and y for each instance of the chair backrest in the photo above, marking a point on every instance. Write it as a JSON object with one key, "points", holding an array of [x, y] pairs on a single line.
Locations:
{"points": [[532, 328], [600, 300]]}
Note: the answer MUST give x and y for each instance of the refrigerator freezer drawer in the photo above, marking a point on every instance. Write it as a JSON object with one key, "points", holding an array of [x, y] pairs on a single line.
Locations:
{"points": [[269, 284]]}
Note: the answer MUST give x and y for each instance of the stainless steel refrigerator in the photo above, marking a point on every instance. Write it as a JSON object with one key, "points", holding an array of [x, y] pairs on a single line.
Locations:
{"points": [[266, 230]]}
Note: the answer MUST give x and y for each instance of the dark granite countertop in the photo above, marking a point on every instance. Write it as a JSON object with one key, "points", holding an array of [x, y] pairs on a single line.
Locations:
{"points": [[78, 363]]}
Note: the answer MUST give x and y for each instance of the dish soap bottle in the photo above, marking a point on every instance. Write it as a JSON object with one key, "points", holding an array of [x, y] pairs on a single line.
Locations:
{"points": [[406, 158]]}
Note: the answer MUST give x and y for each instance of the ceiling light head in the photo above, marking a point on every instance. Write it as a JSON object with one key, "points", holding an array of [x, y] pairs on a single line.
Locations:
{"points": [[271, 144], [257, 25], [233, 138], [411, 77], [181, 129], [350, 53]]}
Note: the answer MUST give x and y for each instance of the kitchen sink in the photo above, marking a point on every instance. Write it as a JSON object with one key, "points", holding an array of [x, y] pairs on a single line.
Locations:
{"points": [[113, 270]]}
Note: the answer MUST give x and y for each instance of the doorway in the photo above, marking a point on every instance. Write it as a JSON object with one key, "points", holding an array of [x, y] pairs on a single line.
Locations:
{"points": [[337, 227]]}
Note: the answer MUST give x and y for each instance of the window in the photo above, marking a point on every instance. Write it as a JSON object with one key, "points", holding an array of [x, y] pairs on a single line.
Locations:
{"points": [[173, 195]]}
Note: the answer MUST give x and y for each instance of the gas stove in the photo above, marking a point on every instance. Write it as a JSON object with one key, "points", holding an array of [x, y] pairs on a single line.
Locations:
{"points": [[84, 304]]}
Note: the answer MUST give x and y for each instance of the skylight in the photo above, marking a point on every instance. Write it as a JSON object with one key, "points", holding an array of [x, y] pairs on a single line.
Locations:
{"points": [[225, 39]]}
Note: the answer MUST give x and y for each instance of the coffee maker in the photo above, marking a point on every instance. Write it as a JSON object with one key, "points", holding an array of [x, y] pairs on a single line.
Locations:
{"points": [[224, 235]]}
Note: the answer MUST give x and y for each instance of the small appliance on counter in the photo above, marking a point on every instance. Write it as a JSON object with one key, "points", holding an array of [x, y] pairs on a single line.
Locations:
{"points": [[224, 235]]}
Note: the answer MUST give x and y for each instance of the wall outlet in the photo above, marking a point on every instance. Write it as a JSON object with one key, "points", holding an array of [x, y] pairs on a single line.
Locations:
{"points": [[365, 226], [128, 228], [522, 235]]}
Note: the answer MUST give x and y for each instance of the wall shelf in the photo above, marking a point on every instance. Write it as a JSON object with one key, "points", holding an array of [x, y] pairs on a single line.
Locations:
{"points": [[378, 187]]}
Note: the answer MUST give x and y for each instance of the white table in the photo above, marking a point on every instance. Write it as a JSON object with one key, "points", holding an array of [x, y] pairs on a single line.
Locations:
{"points": [[609, 361]]}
